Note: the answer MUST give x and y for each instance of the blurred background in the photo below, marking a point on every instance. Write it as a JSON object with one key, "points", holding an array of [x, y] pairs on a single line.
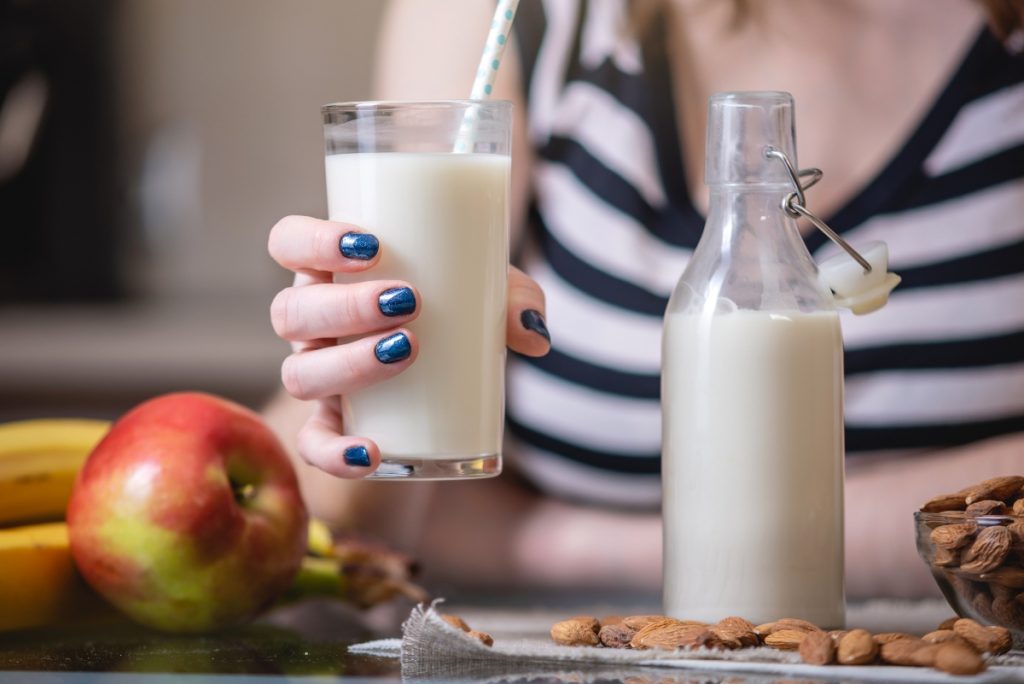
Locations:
{"points": [[146, 148]]}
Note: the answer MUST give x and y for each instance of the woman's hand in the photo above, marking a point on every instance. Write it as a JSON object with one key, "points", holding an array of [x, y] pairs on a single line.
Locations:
{"points": [[314, 312]]}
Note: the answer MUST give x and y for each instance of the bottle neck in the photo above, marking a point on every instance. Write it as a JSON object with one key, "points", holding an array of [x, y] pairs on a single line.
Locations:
{"points": [[757, 208], [752, 253]]}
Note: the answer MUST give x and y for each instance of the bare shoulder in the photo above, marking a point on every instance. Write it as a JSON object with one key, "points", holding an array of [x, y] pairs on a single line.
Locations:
{"points": [[428, 49]]}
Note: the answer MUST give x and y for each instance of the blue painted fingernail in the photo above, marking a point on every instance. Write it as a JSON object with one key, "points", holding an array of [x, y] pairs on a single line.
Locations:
{"points": [[533, 321], [393, 348], [397, 301], [357, 456], [361, 246]]}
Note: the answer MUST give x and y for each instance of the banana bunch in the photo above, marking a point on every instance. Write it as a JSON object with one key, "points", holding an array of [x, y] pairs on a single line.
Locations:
{"points": [[39, 585], [38, 581], [39, 460], [357, 572]]}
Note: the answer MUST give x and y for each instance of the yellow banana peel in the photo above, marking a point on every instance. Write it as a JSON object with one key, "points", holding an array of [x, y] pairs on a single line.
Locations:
{"points": [[39, 460], [320, 540], [38, 581]]}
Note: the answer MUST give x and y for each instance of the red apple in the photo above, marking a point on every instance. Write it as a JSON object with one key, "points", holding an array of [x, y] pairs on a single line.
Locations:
{"points": [[188, 516]]}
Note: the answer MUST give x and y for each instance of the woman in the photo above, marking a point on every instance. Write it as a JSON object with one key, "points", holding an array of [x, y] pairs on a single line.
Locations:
{"points": [[915, 110]]}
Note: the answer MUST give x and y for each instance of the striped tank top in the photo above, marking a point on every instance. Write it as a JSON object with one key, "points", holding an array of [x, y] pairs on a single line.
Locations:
{"points": [[612, 226]]}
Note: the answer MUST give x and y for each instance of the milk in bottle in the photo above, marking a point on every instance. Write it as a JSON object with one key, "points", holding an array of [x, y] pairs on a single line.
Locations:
{"points": [[752, 391]]}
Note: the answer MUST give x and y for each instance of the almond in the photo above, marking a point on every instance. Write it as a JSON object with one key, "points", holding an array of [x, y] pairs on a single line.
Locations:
{"points": [[837, 634], [986, 507], [817, 648], [1008, 612], [797, 623], [983, 639], [735, 638], [1001, 488], [957, 659], [1002, 639], [948, 622], [616, 635], [981, 602], [1002, 592], [764, 630], [577, 631], [940, 635], [1017, 530], [736, 623], [611, 620], [658, 628], [786, 639], [954, 536], [640, 621], [899, 651], [988, 551], [945, 502], [1006, 576], [964, 587], [483, 637], [885, 637], [671, 634], [857, 648], [455, 621], [1018, 507], [925, 655], [945, 558]]}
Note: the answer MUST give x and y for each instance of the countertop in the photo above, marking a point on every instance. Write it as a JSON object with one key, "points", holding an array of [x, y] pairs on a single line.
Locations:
{"points": [[309, 644]]}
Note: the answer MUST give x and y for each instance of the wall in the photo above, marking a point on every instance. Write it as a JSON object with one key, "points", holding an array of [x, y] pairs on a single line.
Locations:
{"points": [[219, 136], [221, 103]]}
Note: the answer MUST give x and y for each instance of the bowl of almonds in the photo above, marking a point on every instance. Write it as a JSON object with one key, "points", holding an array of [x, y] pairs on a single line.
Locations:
{"points": [[973, 543]]}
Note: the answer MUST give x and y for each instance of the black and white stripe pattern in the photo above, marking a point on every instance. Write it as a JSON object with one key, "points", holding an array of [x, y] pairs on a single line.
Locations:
{"points": [[612, 228]]}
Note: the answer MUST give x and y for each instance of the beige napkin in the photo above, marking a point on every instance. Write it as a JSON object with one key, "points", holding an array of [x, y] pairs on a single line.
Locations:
{"points": [[430, 648]]}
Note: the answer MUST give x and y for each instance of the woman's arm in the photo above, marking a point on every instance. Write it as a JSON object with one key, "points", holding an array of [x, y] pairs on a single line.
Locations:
{"points": [[426, 50], [519, 538]]}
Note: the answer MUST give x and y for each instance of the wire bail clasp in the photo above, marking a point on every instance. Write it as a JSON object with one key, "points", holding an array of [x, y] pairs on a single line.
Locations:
{"points": [[795, 203]]}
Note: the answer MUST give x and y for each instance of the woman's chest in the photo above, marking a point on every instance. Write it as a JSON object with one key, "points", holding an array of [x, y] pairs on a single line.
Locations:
{"points": [[861, 87]]}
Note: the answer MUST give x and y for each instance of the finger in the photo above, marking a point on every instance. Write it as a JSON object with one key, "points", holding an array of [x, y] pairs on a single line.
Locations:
{"points": [[305, 243], [322, 444], [344, 368], [310, 277], [527, 330], [319, 311], [303, 278]]}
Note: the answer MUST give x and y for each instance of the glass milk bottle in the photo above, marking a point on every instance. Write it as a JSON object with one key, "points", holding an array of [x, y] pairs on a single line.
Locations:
{"points": [[752, 394]]}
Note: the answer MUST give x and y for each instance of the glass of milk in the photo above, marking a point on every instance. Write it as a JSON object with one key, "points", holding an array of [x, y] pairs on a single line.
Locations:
{"points": [[442, 219], [752, 395]]}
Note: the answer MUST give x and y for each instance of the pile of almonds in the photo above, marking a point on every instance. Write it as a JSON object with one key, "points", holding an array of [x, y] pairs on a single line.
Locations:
{"points": [[976, 546], [957, 646]]}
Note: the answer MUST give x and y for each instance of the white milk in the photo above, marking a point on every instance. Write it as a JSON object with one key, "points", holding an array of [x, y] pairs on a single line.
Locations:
{"points": [[752, 466], [442, 221]]}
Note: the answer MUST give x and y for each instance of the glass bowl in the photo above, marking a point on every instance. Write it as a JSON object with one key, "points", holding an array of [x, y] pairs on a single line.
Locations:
{"points": [[978, 563]]}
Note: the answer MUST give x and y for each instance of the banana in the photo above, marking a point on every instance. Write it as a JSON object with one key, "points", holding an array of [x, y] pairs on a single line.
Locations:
{"points": [[38, 581], [319, 539], [39, 585], [39, 460]]}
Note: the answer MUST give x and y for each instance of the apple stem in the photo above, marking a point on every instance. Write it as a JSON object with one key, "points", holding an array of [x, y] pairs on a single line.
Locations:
{"points": [[243, 493]]}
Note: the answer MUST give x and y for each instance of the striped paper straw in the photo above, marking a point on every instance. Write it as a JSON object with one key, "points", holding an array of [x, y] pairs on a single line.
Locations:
{"points": [[487, 71]]}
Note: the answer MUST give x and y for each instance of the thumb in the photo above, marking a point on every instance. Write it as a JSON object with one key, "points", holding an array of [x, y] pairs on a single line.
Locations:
{"points": [[527, 330]]}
